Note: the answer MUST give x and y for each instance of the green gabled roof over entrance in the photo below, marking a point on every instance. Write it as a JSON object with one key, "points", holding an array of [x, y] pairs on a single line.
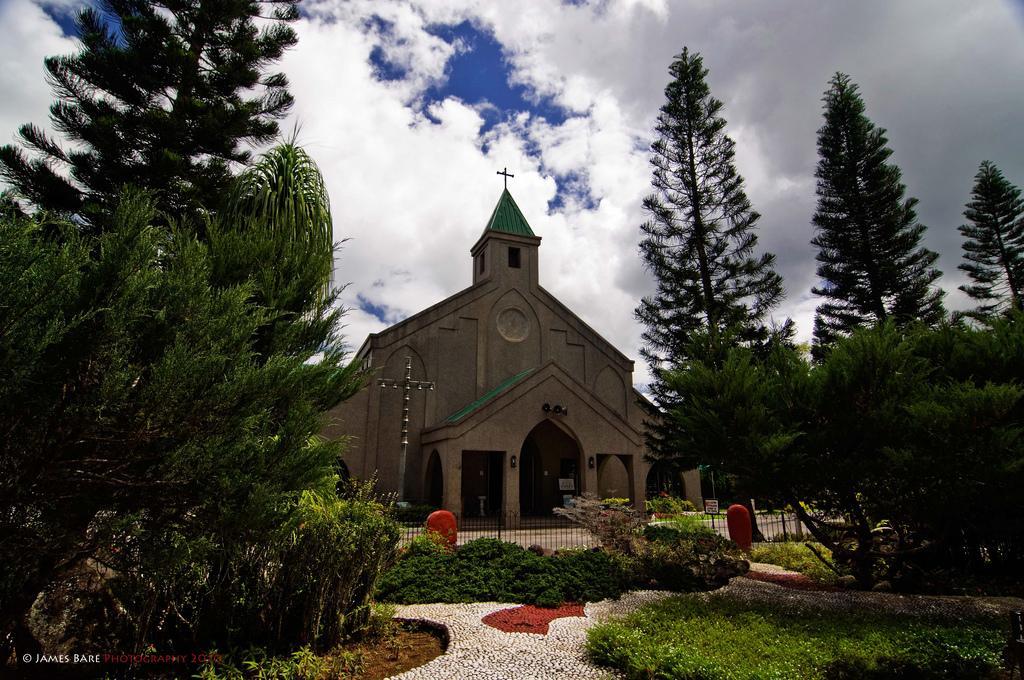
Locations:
{"points": [[508, 218], [504, 386]]}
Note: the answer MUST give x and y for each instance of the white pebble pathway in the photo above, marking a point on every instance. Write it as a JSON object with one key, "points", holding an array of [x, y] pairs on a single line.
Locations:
{"points": [[477, 651]]}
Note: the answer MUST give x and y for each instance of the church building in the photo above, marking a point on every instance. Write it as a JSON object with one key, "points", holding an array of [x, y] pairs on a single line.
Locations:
{"points": [[515, 404]]}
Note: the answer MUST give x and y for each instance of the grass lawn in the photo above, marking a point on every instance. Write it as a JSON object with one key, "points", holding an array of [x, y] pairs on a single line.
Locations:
{"points": [[795, 557], [721, 637]]}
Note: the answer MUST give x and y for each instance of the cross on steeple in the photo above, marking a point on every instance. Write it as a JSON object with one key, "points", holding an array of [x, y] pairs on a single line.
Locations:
{"points": [[504, 171]]}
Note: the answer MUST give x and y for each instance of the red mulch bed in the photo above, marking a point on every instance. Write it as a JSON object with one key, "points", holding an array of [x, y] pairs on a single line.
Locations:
{"points": [[794, 581], [530, 619]]}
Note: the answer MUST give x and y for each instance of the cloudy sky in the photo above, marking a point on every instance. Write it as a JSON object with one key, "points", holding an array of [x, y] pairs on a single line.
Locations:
{"points": [[410, 107]]}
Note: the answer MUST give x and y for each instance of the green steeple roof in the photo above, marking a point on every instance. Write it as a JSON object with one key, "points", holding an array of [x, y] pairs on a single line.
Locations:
{"points": [[508, 218]]}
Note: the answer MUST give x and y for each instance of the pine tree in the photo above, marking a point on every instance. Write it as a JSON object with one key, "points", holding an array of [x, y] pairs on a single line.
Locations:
{"points": [[870, 259], [712, 291], [994, 243], [700, 241], [156, 98]]}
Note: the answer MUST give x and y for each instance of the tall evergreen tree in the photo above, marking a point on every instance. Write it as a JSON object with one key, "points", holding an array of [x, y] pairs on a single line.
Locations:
{"points": [[870, 259], [712, 290], [994, 243], [156, 97], [700, 241]]}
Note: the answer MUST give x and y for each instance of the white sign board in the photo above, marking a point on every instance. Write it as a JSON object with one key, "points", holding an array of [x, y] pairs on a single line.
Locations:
{"points": [[566, 484], [711, 506]]}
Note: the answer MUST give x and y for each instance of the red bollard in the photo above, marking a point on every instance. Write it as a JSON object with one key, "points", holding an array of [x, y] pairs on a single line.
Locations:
{"points": [[740, 531], [443, 523]]}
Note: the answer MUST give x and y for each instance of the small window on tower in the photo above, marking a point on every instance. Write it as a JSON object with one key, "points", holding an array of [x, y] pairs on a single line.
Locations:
{"points": [[482, 255], [513, 258]]}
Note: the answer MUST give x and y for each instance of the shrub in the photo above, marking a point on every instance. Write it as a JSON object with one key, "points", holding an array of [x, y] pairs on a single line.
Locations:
{"points": [[330, 568], [615, 527], [669, 505], [424, 572], [415, 513], [684, 561], [490, 570], [591, 575], [723, 637], [681, 555], [308, 583], [680, 524]]}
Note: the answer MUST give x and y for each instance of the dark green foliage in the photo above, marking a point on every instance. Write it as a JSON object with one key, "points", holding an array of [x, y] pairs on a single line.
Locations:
{"points": [[684, 561], [939, 457], [669, 505], [309, 581], [164, 421], [158, 97], [414, 513], [274, 231], [994, 243], [724, 637], [671, 533], [590, 575], [699, 242], [486, 570], [870, 258], [919, 428], [732, 415]]}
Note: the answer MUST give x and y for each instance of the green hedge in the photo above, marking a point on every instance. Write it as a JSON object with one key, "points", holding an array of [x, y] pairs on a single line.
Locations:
{"points": [[684, 558], [489, 570], [669, 505], [681, 528], [722, 637], [415, 513]]}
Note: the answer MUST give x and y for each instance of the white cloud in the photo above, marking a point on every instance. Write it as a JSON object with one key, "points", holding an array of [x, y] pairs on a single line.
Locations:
{"points": [[28, 35], [412, 189]]}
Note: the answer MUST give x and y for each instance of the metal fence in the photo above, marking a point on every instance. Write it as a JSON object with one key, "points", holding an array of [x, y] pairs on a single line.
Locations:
{"points": [[774, 527], [549, 532], [554, 533]]}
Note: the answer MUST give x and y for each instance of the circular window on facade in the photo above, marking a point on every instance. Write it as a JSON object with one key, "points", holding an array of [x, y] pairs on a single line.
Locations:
{"points": [[513, 324]]}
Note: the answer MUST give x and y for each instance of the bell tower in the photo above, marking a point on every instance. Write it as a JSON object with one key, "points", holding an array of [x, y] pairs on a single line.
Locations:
{"points": [[507, 251]]}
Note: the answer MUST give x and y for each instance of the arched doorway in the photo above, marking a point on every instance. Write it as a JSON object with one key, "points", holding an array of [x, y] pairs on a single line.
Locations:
{"points": [[613, 477], [550, 469], [662, 477], [434, 482]]}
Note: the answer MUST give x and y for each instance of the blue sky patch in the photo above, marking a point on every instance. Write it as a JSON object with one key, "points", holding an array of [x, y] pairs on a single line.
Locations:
{"points": [[383, 68], [379, 312], [573, 185], [64, 17], [480, 73]]}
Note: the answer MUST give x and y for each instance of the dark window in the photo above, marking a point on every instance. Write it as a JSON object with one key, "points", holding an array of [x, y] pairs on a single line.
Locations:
{"points": [[482, 262], [513, 258]]}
